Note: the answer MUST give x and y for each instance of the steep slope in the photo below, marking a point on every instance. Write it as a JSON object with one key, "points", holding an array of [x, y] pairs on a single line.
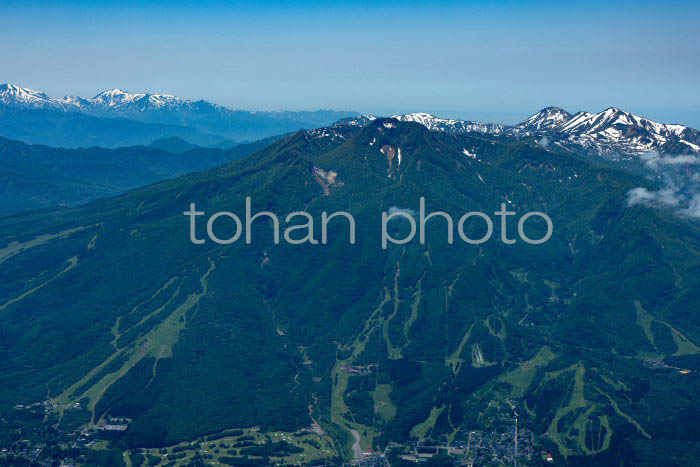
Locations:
{"points": [[110, 305]]}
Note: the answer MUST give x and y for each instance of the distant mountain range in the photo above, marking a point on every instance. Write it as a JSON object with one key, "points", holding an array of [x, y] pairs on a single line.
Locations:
{"points": [[165, 109], [34, 117], [608, 133], [173, 144], [611, 133]]}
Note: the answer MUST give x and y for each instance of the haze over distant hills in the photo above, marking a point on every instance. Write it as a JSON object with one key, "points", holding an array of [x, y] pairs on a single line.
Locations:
{"points": [[205, 122], [77, 130], [37, 176]]}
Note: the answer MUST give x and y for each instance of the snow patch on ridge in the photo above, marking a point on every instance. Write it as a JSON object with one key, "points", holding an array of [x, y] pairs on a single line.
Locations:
{"points": [[468, 154]]}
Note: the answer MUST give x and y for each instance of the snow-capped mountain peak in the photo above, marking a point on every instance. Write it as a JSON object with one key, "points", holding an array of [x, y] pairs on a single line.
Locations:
{"points": [[112, 93], [118, 98], [360, 120], [449, 125], [23, 97], [546, 119], [428, 120], [19, 92], [609, 132]]}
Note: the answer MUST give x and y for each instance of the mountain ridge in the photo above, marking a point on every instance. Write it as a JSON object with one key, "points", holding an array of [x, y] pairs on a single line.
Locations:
{"points": [[610, 133], [168, 109]]}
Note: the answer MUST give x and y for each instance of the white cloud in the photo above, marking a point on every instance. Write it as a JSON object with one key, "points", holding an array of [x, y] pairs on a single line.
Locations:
{"points": [[693, 209], [654, 160], [680, 189], [641, 195]]}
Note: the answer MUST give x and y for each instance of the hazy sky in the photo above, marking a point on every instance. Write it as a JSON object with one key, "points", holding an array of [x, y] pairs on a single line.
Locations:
{"points": [[493, 61]]}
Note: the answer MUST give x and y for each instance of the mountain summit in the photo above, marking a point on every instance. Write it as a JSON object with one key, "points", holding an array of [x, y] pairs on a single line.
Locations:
{"points": [[450, 125], [546, 119], [609, 132], [16, 96]]}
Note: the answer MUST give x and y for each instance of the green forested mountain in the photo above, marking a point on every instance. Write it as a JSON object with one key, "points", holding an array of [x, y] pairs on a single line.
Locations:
{"points": [[172, 144], [34, 176], [590, 340]]}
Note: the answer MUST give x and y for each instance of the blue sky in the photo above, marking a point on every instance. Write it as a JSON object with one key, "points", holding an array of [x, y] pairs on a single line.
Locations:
{"points": [[493, 61]]}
